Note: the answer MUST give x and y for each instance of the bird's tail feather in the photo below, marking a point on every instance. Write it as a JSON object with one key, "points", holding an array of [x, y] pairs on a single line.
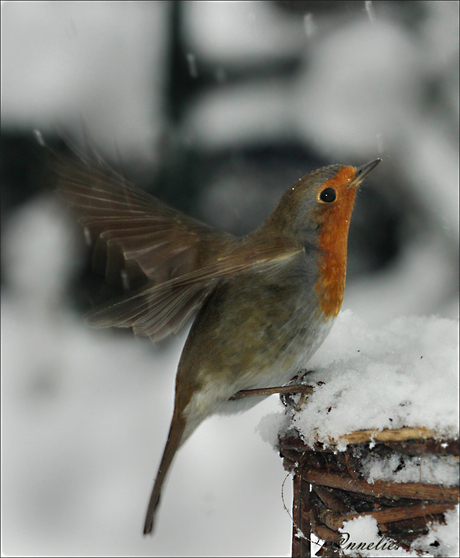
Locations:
{"points": [[175, 436]]}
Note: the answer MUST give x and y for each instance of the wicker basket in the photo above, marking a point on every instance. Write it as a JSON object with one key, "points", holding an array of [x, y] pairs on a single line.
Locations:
{"points": [[328, 489]]}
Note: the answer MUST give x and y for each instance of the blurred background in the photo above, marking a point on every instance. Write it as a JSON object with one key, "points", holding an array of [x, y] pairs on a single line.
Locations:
{"points": [[216, 108]]}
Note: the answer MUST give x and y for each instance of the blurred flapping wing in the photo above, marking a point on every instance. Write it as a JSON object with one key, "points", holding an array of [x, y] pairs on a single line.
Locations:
{"points": [[134, 235]]}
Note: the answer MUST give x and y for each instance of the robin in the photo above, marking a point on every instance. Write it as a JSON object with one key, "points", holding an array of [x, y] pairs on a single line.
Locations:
{"points": [[265, 302]]}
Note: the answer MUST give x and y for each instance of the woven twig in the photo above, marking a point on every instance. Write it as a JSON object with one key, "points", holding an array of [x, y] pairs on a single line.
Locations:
{"points": [[329, 489]]}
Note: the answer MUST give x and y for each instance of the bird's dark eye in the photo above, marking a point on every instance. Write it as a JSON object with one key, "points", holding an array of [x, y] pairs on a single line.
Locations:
{"points": [[328, 195]]}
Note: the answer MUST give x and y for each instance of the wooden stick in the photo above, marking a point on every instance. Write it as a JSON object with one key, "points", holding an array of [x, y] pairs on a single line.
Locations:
{"points": [[271, 391], [335, 521], [330, 501], [416, 491], [301, 506], [320, 530], [387, 435], [404, 434]]}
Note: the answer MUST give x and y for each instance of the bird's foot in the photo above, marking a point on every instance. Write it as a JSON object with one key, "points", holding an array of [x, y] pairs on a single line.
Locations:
{"points": [[299, 388]]}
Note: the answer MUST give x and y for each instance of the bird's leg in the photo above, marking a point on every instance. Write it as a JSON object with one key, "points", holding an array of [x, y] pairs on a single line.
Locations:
{"points": [[299, 388]]}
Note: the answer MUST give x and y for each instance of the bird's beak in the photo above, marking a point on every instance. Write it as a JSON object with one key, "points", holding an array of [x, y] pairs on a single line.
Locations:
{"points": [[363, 171]]}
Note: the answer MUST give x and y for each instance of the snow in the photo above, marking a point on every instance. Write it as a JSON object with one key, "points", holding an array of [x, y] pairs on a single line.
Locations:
{"points": [[400, 375], [442, 469], [363, 531], [442, 540]]}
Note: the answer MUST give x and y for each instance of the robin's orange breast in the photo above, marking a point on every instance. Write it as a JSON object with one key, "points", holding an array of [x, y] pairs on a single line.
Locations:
{"points": [[332, 242]]}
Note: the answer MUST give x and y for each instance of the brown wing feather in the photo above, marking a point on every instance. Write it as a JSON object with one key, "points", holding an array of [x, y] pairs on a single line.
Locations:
{"points": [[162, 309], [122, 219], [135, 234]]}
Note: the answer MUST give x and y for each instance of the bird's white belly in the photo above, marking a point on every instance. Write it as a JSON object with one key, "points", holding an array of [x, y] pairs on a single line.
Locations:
{"points": [[214, 398]]}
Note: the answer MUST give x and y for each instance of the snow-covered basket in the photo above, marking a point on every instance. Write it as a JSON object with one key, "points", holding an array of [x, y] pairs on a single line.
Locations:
{"points": [[374, 448], [331, 488]]}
